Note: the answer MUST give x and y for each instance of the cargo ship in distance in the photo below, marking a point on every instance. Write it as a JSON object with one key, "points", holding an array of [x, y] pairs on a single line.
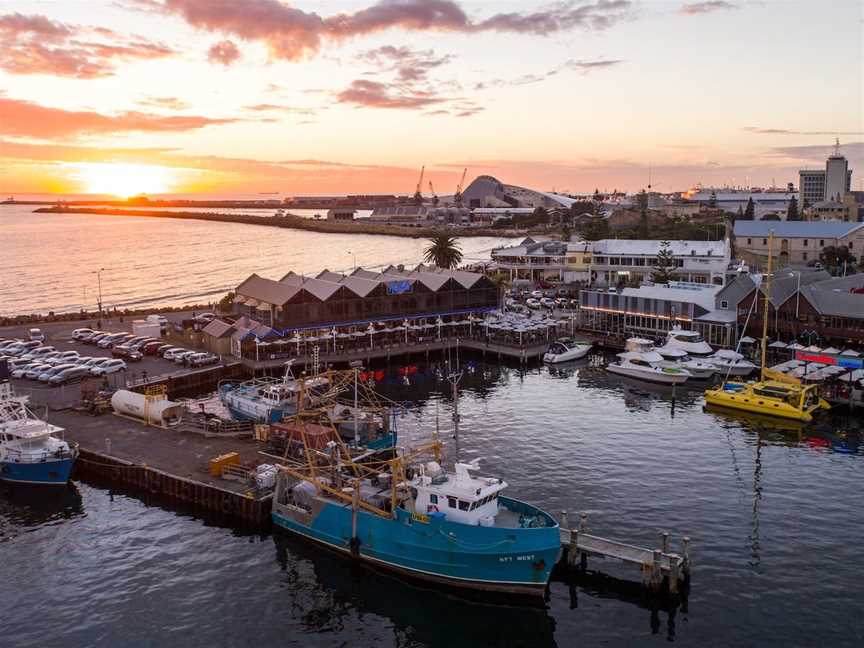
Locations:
{"points": [[418, 520]]}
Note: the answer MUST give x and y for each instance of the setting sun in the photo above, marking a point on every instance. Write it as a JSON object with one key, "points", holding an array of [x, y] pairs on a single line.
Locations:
{"points": [[123, 180]]}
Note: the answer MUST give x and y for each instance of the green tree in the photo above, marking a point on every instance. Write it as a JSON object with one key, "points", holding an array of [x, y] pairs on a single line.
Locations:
{"points": [[835, 258], [664, 271], [750, 210], [566, 232], [643, 214], [541, 215], [792, 210], [226, 304], [596, 230], [443, 251], [771, 217]]}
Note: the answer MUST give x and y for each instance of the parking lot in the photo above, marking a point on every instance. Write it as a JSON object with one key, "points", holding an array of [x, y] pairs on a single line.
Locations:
{"points": [[59, 336]]}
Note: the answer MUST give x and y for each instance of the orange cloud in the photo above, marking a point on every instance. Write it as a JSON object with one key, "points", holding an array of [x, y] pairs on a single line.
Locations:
{"points": [[28, 119], [224, 52]]}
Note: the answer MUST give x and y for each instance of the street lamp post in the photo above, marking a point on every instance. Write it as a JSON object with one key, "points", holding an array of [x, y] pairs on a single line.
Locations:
{"points": [[99, 282], [354, 258]]}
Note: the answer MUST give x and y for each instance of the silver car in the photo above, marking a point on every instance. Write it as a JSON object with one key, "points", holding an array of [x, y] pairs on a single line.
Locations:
{"points": [[32, 371], [45, 376]]}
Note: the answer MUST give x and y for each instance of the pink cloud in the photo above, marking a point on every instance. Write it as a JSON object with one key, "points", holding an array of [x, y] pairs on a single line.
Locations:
{"points": [[695, 8], [372, 94], [37, 45], [292, 33], [224, 52]]}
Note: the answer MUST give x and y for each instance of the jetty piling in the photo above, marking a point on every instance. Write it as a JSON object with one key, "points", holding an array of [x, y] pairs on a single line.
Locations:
{"points": [[658, 566]]}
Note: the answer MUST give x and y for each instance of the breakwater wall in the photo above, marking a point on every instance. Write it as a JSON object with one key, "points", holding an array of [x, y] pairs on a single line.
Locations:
{"points": [[289, 221]]}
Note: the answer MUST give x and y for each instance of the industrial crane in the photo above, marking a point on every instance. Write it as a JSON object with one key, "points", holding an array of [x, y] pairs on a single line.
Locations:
{"points": [[458, 195], [434, 195], [418, 197]]}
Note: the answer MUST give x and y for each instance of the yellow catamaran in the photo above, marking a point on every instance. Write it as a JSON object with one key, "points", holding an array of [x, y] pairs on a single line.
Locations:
{"points": [[773, 395]]}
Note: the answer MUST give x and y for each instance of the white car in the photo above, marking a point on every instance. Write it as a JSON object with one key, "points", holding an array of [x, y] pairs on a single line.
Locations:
{"points": [[39, 352], [36, 335], [82, 334], [113, 365], [64, 357], [33, 371], [547, 302], [533, 303], [170, 354], [180, 357], [537, 294]]}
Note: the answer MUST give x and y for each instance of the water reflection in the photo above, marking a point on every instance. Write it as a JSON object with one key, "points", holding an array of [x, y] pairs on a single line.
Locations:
{"points": [[420, 615], [23, 508]]}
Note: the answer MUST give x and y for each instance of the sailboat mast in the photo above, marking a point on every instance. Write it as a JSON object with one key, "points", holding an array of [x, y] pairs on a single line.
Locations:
{"points": [[767, 302]]}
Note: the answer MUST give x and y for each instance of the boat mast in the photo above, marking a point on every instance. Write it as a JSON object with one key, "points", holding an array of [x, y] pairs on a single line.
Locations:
{"points": [[767, 302]]}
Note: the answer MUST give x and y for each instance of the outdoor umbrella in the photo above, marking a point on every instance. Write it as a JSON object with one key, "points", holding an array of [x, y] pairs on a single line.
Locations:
{"points": [[774, 345], [797, 347], [831, 350], [849, 353], [749, 340], [814, 349], [857, 374]]}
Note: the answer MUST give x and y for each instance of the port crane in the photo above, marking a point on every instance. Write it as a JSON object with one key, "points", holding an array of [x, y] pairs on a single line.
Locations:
{"points": [[418, 196], [457, 197], [434, 195]]}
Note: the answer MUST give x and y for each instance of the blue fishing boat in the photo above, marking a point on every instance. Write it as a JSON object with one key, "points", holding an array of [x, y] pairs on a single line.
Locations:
{"points": [[418, 520], [269, 400], [30, 450]]}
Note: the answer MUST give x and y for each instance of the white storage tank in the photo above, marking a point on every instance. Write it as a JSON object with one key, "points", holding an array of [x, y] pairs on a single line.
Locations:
{"points": [[156, 411]]}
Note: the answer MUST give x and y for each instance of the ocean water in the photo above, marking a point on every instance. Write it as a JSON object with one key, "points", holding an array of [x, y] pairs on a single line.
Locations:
{"points": [[49, 261], [774, 513]]}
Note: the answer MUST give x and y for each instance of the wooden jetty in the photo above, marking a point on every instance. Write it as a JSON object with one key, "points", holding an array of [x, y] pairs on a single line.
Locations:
{"points": [[658, 566]]}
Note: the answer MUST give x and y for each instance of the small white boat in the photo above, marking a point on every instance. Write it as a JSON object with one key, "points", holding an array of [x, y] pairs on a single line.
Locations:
{"points": [[690, 342], [566, 349], [731, 363], [642, 361], [699, 368]]}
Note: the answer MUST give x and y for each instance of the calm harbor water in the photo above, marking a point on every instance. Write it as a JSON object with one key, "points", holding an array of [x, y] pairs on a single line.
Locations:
{"points": [[774, 514], [48, 260]]}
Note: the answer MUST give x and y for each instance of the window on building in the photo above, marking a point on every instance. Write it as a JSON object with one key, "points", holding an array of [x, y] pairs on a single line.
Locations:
{"points": [[724, 303], [451, 502], [806, 241], [749, 241], [764, 241], [433, 498], [804, 256], [464, 506], [821, 242]]}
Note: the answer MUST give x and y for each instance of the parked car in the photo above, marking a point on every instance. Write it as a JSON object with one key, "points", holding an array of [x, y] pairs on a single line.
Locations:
{"points": [[15, 349], [113, 340], [45, 376], [574, 304], [561, 302], [183, 357], [518, 308], [166, 348], [205, 318], [91, 362], [172, 353], [97, 337], [33, 370], [126, 351], [547, 302], [533, 303], [111, 366], [14, 363], [80, 334], [73, 374], [537, 294], [64, 357], [152, 348], [50, 356], [563, 292], [161, 320], [21, 370], [5, 344], [202, 359], [80, 361], [36, 335], [38, 352], [32, 344]]}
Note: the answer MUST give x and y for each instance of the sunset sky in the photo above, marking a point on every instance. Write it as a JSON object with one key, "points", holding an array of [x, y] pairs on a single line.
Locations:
{"points": [[179, 96]]}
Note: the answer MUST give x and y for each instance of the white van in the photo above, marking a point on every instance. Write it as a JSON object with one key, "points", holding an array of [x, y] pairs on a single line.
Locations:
{"points": [[36, 335]]}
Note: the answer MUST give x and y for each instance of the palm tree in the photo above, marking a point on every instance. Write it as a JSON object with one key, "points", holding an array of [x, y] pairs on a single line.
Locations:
{"points": [[443, 251]]}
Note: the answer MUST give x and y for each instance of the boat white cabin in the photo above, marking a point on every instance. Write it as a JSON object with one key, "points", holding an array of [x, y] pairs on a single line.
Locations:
{"points": [[689, 341], [460, 496]]}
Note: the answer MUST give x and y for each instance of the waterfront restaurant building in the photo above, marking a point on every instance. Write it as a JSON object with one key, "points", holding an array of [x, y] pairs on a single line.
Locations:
{"points": [[633, 261], [334, 300], [537, 260], [652, 310]]}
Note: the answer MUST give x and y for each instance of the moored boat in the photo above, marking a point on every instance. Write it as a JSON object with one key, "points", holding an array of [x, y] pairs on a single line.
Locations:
{"points": [[269, 400], [418, 520], [30, 451], [642, 361], [689, 341], [731, 363], [566, 349], [699, 368]]}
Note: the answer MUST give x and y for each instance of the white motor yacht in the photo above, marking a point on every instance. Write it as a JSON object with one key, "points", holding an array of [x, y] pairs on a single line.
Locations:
{"points": [[566, 349], [641, 361], [689, 341], [731, 363], [699, 368]]}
